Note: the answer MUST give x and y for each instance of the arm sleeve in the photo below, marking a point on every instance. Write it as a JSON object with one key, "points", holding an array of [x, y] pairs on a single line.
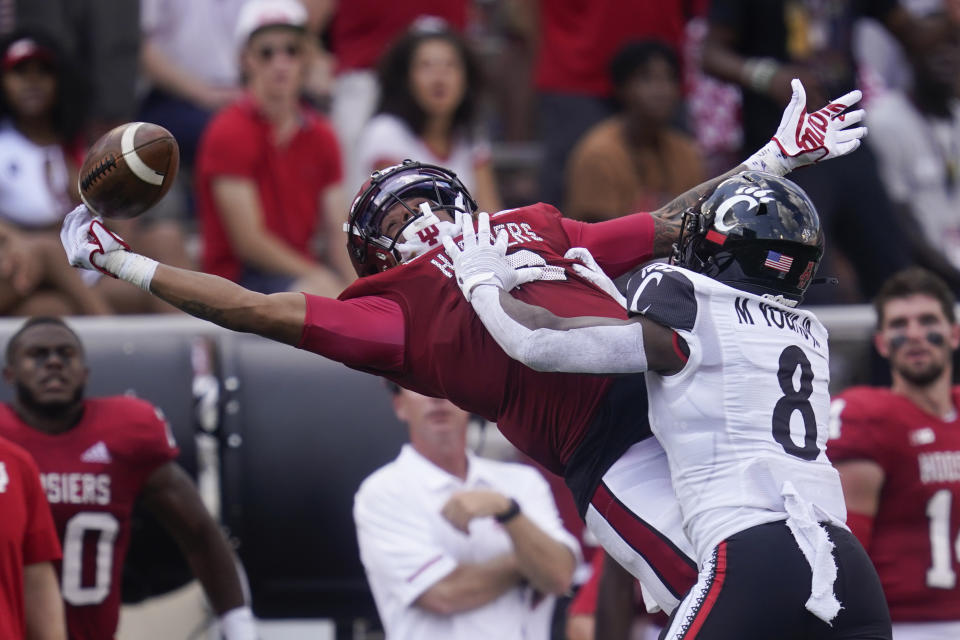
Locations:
{"points": [[601, 349], [365, 333], [397, 545], [617, 245], [40, 542]]}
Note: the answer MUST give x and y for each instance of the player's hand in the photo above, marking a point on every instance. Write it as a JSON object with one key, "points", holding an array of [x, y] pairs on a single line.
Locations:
{"points": [[87, 243], [590, 270], [483, 261], [806, 138], [464, 506]]}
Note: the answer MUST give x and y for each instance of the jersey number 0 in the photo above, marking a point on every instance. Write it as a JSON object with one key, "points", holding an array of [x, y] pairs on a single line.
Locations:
{"points": [[102, 529]]}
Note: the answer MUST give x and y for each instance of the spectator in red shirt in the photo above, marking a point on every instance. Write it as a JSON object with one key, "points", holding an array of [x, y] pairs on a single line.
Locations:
{"points": [[30, 604], [269, 168]]}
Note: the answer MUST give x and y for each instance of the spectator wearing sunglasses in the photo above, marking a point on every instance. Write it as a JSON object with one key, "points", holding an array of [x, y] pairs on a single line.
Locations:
{"points": [[269, 168]]}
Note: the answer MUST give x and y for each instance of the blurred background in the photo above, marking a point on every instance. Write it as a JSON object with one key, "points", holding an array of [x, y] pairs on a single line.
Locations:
{"points": [[599, 107]]}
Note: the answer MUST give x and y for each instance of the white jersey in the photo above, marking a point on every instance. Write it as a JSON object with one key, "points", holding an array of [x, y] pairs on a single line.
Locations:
{"points": [[744, 424]]}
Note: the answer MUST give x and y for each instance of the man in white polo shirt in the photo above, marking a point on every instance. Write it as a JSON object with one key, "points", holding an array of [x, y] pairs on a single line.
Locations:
{"points": [[457, 546]]}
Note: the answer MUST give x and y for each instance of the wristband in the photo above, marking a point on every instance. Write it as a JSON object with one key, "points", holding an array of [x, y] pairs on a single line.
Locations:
{"points": [[512, 512], [131, 267], [769, 159], [237, 624]]}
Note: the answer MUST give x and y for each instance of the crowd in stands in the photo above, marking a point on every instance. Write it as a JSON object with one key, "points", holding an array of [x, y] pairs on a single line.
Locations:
{"points": [[620, 108], [623, 104]]}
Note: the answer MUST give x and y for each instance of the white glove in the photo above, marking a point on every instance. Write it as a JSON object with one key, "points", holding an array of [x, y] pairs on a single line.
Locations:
{"points": [[806, 138], [591, 271], [90, 245], [483, 262], [238, 624]]}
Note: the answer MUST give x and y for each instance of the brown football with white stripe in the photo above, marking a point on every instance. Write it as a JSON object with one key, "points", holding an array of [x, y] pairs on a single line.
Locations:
{"points": [[129, 169]]}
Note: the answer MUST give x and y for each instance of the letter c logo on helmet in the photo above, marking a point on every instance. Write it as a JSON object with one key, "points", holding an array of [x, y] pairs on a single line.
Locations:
{"points": [[771, 239]]}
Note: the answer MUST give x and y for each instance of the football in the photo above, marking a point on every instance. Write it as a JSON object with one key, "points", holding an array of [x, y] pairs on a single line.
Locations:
{"points": [[128, 170]]}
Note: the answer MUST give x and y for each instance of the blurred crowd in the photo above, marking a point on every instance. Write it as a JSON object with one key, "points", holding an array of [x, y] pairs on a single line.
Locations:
{"points": [[599, 108]]}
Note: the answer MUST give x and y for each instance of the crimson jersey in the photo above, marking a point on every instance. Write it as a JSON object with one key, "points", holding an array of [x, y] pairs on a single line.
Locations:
{"points": [[448, 353], [916, 532], [27, 535], [92, 475]]}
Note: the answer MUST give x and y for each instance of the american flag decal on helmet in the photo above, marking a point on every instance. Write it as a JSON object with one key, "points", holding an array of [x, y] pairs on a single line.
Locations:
{"points": [[778, 261]]}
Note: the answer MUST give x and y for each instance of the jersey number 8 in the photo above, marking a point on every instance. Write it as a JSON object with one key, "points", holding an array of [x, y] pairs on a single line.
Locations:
{"points": [[795, 400]]}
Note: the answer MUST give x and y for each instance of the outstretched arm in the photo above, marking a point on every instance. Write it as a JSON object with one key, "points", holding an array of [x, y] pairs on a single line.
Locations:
{"points": [[279, 316], [547, 342], [538, 338], [801, 139]]}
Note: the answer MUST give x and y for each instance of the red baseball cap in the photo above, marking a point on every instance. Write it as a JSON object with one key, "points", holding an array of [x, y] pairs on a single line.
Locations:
{"points": [[25, 49]]}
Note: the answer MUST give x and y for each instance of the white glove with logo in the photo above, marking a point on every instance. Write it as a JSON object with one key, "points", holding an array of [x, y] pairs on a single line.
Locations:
{"points": [[806, 138], [590, 270], [483, 262], [90, 245]]}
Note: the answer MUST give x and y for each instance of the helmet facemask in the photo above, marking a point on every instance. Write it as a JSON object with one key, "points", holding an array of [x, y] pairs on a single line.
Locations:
{"points": [[392, 194]]}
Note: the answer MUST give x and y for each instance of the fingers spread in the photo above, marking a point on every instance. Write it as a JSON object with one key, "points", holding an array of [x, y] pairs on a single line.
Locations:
{"points": [[451, 247], [501, 242], [799, 93], [851, 134], [846, 119], [483, 228], [848, 99]]}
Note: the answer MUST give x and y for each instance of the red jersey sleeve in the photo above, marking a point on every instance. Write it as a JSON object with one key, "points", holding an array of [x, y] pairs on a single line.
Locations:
{"points": [[365, 332], [154, 444], [859, 430], [617, 245], [40, 542], [228, 147]]}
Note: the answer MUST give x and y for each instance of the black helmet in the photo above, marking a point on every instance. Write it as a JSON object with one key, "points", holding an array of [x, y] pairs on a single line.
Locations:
{"points": [[757, 232], [371, 251]]}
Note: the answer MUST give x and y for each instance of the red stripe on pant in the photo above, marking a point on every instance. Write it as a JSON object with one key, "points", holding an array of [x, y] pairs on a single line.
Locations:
{"points": [[713, 592], [676, 570]]}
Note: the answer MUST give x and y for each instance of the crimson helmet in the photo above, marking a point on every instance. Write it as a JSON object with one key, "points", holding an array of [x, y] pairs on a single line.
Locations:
{"points": [[373, 251], [756, 232]]}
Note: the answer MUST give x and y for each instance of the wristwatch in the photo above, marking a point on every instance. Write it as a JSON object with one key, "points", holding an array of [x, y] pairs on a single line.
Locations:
{"points": [[512, 512]]}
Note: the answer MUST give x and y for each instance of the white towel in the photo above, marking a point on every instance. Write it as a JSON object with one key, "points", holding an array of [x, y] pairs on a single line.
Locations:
{"points": [[817, 548]]}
